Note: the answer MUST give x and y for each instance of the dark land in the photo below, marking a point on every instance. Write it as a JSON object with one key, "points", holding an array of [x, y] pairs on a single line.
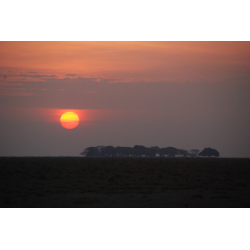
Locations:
{"points": [[47, 182]]}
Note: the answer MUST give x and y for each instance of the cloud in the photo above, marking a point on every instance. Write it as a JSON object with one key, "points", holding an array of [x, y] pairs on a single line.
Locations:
{"points": [[14, 93], [15, 90], [27, 75], [36, 76], [71, 75]]}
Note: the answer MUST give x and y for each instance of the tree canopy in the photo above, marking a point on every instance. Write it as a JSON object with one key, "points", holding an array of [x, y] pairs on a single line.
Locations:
{"points": [[209, 152], [142, 151]]}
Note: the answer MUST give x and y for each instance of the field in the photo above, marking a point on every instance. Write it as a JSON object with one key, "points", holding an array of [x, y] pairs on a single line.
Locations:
{"points": [[124, 182]]}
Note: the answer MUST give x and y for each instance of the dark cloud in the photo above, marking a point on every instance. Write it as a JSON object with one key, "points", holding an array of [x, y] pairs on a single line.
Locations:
{"points": [[27, 75], [36, 76], [31, 72], [71, 75]]}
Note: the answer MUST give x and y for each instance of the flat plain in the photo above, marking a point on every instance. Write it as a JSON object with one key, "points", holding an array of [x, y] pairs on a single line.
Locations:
{"points": [[80, 182]]}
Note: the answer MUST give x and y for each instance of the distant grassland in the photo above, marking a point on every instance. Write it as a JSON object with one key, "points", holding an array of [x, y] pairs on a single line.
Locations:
{"points": [[124, 182]]}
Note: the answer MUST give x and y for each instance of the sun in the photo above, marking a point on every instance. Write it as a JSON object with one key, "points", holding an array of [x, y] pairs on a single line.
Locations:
{"points": [[69, 120]]}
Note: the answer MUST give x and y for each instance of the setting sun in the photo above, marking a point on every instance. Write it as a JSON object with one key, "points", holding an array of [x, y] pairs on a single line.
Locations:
{"points": [[69, 120]]}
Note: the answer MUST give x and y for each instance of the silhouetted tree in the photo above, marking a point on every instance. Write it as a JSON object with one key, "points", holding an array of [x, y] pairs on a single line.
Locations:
{"points": [[108, 151], [124, 151], [169, 151], [139, 150], [209, 152], [99, 147], [84, 152], [194, 152], [183, 152], [156, 149], [151, 152], [90, 152]]}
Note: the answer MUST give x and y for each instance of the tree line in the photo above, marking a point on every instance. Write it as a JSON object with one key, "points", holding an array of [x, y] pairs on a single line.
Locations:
{"points": [[141, 151]]}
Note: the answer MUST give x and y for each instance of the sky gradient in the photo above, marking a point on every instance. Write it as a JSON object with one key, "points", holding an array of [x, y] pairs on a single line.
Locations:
{"points": [[180, 94]]}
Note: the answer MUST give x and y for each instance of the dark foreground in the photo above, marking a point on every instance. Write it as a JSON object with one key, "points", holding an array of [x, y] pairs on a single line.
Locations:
{"points": [[124, 182]]}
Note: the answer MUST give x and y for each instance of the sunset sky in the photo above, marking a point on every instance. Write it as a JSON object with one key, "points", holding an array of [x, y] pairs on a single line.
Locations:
{"points": [[181, 94]]}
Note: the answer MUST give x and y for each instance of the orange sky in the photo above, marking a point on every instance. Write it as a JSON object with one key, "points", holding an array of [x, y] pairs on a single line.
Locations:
{"points": [[181, 94], [128, 61]]}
